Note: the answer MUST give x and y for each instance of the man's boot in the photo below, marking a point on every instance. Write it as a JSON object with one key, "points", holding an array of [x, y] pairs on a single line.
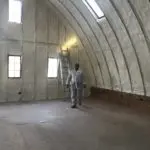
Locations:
{"points": [[73, 106]]}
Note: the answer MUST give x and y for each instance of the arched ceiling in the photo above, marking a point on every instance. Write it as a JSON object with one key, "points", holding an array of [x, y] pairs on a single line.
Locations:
{"points": [[118, 45]]}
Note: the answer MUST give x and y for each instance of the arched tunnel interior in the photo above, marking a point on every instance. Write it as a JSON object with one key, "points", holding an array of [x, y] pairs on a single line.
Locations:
{"points": [[42, 40]]}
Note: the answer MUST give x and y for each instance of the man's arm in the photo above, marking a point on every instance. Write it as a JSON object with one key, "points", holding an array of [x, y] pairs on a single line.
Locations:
{"points": [[68, 79], [83, 81]]}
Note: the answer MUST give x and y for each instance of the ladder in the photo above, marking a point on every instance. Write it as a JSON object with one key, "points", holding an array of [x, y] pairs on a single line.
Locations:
{"points": [[64, 59]]}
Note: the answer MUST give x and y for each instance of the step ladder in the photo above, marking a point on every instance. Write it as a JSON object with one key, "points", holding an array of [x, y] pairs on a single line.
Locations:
{"points": [[65, 66]]}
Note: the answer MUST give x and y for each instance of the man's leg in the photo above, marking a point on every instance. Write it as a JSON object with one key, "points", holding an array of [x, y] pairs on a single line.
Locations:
{"points": [[73, 96], [79, 95]]}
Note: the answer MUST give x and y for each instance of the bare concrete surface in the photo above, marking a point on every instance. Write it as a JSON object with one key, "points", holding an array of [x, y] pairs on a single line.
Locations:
{"points": [[55, 126]]}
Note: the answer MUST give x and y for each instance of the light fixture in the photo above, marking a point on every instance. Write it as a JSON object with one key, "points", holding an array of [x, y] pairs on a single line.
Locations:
{"points": [[69, 43]]}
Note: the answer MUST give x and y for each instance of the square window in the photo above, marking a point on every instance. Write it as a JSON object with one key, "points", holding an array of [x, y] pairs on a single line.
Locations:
{"points": [[52, 67], [15, 8], [14, 66]]}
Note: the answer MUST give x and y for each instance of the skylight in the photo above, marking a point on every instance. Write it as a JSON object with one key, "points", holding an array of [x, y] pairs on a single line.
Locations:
{"points": [[94, 8]]}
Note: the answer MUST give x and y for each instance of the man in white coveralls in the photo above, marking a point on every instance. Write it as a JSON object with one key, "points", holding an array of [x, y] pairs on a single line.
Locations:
{"points": [[75, 81]]}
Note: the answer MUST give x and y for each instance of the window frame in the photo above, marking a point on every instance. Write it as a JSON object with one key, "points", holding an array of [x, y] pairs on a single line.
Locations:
{"points": [[48, 67], [93, 11], [15, 22], [20, 67]]}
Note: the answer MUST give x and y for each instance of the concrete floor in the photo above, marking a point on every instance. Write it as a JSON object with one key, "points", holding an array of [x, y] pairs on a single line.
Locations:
{"points": [[54, 126]]}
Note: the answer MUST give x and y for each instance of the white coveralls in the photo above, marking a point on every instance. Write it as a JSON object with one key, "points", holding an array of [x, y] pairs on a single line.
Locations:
{"points": [[75, 80]]}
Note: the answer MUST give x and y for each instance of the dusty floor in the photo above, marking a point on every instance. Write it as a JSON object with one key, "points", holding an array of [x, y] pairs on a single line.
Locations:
{"points": [[55, 126]]}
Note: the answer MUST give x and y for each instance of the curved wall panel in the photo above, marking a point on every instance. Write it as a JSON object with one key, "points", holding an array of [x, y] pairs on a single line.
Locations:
{"points": [[141, 10], [119, 43], [105, 50], [87, 32], [137, 38], [126, 44], [85, 44], [118, 54]]}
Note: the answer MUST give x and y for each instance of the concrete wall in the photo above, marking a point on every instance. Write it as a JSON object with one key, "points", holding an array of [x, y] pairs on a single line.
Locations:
{"points": [[118, 46], [38, 37]]}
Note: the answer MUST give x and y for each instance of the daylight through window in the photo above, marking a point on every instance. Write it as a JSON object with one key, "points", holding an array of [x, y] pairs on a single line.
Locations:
{"points": [[52, 67], [15, 8], [14, 67], [94, 8]]}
